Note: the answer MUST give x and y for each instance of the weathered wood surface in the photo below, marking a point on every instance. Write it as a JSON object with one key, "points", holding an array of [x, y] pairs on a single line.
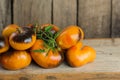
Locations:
{"points": [[32, 11], [64, 12], [5, 13], [98, 18], [105, 67], [94, 17], [115, 18]]}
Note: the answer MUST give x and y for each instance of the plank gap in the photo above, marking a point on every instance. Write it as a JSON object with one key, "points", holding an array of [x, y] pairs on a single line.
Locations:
{"points": [[111, 19], [52, 17], [12, 11], [115, 18], [77, 10]]}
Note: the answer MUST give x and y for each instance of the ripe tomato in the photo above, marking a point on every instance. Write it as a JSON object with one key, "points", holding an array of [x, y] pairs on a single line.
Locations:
{"points": [[45, 57], [8, 30], [4, 45], [54, 27], [79, 55], [22, 39], [14, 60], [70, 36]]}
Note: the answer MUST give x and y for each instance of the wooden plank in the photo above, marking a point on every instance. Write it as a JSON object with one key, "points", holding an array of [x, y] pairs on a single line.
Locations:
{"points": [[105, 67], [115, 18], [94, 17], [63, 76], [32, 11], [5, 13], [64, 12]]}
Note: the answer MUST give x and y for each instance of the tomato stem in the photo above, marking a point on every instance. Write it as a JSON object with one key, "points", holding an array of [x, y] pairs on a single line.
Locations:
{"points": [[19, 30]]}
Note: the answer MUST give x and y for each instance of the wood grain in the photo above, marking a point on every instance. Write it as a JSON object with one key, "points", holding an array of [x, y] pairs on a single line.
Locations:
{"points": [[63, 76], [32, 11], [105, 67], [115, 18], [94, 17], [98, 18], [64, 12], [5, 13]]}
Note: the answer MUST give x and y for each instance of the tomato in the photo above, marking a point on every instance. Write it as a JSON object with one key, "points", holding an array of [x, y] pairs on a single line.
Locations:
{"points": [[4, 45], [45, 52], [45, 57], [14, 60], [70, 36], [54, 27], [22, 39], [8, 30], [79, 55]]}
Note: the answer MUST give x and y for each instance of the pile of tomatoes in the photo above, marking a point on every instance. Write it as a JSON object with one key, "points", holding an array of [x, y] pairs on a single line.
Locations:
{"points": [[46, 44]]}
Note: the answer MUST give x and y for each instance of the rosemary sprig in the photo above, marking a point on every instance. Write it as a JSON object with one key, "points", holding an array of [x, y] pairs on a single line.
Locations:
{"points": [[48, 37], [40, 50]]}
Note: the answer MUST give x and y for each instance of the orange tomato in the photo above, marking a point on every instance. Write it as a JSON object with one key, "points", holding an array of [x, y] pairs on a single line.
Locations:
{"points": [[78, 55], [70, 36], [54, 29], [45, 57], [23, 39], [15, 60], [4, 45], [8, 30]]}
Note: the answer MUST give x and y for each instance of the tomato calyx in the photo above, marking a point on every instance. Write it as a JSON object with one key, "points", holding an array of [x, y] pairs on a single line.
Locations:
{"points": [[23, 34]]}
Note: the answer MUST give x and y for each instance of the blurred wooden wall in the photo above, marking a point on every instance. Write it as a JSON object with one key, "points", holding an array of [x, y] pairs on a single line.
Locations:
{"points": [[98, 18]]}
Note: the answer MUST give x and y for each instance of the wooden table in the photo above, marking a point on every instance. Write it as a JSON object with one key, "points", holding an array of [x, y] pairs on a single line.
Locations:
{"points": [[105, 67]]}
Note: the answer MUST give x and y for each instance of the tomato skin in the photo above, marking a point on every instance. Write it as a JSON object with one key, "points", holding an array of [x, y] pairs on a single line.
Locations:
{"points": [[15, 60], [55, 28], [48, 59], [78, 55], [21, 46], [6, 45], [70, 36], [17, 45], [8, 30]]}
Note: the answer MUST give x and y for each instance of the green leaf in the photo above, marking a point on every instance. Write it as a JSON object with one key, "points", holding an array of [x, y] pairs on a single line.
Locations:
{"points": [[50, 34], [40, 50], [48, 28], [56, 34]]}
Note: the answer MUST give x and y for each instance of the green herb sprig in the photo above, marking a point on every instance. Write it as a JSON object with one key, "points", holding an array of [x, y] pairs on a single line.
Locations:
{"points": [[48, 36]]}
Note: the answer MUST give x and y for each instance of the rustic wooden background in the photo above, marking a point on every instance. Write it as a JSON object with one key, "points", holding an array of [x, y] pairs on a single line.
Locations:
{"points": [[98, 18]]}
